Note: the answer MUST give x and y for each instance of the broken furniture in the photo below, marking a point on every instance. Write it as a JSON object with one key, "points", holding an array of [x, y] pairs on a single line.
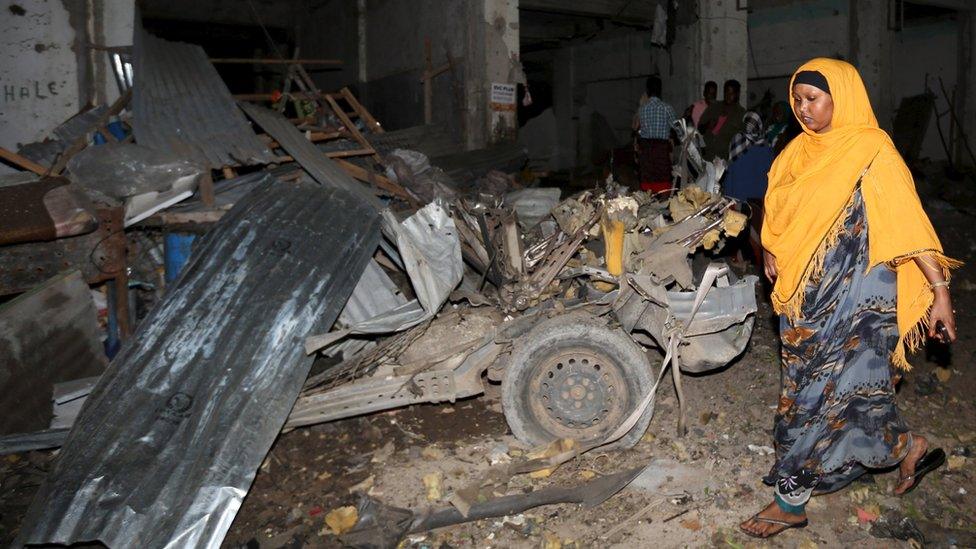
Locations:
{"points": [[41, 253]]}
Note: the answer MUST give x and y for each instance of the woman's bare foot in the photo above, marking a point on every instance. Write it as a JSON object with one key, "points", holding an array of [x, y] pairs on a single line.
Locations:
{"points": [[906, 471], [761, 529]]}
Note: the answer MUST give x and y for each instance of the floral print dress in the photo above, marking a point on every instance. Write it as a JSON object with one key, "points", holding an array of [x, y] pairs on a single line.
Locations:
{"points": [[837, 416]]}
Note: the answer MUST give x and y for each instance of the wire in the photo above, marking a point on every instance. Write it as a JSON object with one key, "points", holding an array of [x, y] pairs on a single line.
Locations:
{"points": [[267, 35]]}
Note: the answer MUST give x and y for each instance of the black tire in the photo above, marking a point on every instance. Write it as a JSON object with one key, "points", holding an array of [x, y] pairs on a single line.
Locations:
{"points": [[575, 377]]}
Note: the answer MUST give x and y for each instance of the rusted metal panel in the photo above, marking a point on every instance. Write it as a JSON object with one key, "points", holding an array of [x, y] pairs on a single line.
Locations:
{"points": [[170, 439], [47, 336], [99, 256], [180, 104]]}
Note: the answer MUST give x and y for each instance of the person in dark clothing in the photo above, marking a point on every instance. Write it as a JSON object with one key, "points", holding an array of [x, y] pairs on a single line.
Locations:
{"points": [[750, 157], [721, 121]]}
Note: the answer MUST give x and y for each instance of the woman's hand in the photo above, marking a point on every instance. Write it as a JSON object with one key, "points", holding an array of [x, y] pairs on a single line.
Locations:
{"points": [[942, 310], [769, 265]]}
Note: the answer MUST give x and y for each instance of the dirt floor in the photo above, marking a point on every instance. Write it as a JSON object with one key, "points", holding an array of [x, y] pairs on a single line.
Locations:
{"points": [[709, 480]]}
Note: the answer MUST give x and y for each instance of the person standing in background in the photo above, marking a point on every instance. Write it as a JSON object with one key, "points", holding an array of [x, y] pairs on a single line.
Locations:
{"points": [[721, 121], [695, 110], [653, 124], [750, 158]]}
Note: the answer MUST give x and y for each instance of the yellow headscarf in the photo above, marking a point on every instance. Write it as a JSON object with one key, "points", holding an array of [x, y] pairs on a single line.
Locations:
{"points": [[811, 183]]}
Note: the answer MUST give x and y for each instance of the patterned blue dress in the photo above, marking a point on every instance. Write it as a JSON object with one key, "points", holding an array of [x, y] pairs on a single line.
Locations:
{"points": [[837, 416]]}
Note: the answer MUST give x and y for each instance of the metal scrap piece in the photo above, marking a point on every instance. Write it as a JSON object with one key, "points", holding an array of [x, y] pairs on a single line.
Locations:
{"points": [[171, 438], [181, 105]]}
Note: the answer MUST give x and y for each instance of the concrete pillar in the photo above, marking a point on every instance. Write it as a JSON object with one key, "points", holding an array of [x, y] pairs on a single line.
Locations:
{"points": [[492, 58], [563, 106], [871, 54], [722, 47]]}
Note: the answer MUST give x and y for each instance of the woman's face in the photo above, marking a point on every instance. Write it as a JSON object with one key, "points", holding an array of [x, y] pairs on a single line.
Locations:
{"points": [[814, 107]]}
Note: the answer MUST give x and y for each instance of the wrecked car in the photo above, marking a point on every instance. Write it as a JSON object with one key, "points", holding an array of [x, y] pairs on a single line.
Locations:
{"points": [[559, 313]]}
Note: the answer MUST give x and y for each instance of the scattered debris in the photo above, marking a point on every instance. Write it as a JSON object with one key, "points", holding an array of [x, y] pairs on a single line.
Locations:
{"points": [[433, 484], [342, 520], [761, 450]]}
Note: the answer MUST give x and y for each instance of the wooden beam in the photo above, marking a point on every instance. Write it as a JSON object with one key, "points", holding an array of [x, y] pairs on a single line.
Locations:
{"points": [[23, 162], [261, 61], [621, 10], [364, 114], [268, 97], [428, 84], [207, 189], [373, 178]]}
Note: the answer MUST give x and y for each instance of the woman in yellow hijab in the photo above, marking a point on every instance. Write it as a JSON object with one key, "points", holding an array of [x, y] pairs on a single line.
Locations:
{"points": [[858, 274]]}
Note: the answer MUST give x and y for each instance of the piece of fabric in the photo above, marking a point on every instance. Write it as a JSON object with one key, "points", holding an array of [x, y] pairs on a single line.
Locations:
{"points": [[751, 135], [697, 108], [746, 177], [793, 492], [654, 159], [812, 181], [837, 414], [718, 124], [812, 78], [656, 117]]}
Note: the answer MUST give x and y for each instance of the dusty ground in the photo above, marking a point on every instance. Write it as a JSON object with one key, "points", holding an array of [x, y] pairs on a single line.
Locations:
{"points": [[714, 478]]}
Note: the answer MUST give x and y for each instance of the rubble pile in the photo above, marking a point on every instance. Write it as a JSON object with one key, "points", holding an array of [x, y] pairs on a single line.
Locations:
{"points": [[242, 232]]}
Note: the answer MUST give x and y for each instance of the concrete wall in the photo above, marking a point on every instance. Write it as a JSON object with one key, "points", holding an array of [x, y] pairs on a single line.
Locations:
{"points": [[331, 31], [785, 34], [605, 75], [893, 64], [395, 34], [47, 72], [39, 71], [927, 47]]}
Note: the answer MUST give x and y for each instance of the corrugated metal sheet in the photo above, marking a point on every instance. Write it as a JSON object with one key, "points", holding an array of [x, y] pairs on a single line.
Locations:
{"points": [[470, 165], [169, 441], [431, 140], [180, 104], [47, 335], [319, 166]]}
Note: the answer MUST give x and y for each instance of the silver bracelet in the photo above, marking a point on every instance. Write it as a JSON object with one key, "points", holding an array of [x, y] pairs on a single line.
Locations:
{"points": [[939, 283]]}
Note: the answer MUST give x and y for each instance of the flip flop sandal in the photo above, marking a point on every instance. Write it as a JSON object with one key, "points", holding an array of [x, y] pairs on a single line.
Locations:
{"points": [[788, 525], [931, 461]]}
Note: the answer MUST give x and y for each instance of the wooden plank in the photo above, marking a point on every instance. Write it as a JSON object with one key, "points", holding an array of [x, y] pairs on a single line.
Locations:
{"points": [[428, 85], [368, 176], [268, 96], [364, 114], [356, 134], [23, 162], [306, 82], [207, 189], [265, 61], [122, 304]]}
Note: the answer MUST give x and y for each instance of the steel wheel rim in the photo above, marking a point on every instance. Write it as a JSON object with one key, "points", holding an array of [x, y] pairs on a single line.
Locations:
{"points": [[578, 393]]}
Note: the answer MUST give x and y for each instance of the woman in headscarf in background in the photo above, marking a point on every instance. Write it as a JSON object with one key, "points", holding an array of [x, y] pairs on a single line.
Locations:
{"points": [[750, 157], [859, 275]]}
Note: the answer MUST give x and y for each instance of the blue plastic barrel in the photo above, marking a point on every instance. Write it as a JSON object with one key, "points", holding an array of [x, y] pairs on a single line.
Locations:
{"points": [[176, 252]]}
